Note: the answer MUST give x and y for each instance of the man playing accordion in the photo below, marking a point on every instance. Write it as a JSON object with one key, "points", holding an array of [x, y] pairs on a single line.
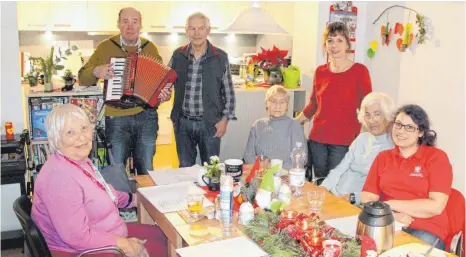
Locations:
{"points": [[129, 124]]}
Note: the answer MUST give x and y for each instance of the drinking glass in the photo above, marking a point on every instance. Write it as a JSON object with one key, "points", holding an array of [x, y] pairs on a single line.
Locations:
{"points": [[195, 204], [316, 200]]}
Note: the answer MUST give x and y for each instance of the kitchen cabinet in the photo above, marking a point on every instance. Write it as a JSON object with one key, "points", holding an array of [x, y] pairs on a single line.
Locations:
{"points": [[155, 15], [103, 16], [282, 12], [66, 16], [33, 15]]}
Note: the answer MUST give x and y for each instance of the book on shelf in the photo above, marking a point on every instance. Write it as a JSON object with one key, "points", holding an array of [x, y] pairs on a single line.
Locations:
{"points": [[89, 105]]}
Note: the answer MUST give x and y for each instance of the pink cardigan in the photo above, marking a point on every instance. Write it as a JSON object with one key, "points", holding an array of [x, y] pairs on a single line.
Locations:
{"points": [[72, 212]]}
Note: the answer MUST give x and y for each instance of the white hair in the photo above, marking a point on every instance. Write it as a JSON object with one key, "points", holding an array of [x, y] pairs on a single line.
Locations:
{"points": [[277, 90], [386, 105], [57, 119], [198, 15]]}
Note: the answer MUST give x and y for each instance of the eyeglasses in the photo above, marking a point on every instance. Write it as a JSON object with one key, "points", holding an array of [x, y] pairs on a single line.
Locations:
{"points": [[408, 128]]}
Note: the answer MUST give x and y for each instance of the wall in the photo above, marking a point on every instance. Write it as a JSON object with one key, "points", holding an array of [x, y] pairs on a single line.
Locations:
{"points": [[433, 77], [12, 109], [11, 93]]}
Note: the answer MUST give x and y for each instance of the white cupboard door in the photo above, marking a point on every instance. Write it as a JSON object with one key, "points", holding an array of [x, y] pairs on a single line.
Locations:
{"points": [[33, 16], [179, 12], [68, 16], [103, 16], [155, 15]]}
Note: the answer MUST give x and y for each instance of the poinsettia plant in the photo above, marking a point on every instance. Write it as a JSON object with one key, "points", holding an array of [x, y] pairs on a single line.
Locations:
{"points": [[267, 58]]}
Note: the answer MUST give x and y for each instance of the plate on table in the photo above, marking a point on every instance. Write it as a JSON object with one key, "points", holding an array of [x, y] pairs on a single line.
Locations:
{"points": [[413, 250]]}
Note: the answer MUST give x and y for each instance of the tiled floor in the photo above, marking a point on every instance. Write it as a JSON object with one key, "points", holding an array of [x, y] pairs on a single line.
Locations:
{"points": [[12, 253]]}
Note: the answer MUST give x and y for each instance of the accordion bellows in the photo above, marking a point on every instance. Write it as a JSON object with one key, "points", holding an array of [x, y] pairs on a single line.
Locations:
{"points": [[142, 77]]}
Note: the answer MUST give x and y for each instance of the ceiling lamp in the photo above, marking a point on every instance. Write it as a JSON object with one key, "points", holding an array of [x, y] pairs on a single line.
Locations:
{"points": [[255, 20]]}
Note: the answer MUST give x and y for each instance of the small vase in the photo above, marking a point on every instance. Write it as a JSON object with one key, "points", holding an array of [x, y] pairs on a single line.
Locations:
{"points": [[48, 87]]}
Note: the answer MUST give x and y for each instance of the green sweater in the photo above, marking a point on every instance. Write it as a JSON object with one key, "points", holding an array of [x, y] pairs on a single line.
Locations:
{"points": [[102, 54]]}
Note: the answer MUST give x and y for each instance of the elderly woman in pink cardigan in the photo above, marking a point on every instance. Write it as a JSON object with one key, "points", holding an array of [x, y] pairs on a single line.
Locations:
{"points": [[73, 206]]}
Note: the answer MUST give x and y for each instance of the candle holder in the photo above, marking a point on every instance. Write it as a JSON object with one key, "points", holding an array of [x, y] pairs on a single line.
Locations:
{"points": [[287, 218], [314, 238], [332, 248], [304, 226]]}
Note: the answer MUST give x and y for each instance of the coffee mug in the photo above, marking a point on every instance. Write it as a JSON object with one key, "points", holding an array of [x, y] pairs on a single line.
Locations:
{"points": [[234, 168], [202, 171]]}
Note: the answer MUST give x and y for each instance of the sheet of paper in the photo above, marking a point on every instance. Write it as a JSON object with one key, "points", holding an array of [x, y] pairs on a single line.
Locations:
{"points": [[171, 176], [234, 247], [170, 198], [347, 225]]}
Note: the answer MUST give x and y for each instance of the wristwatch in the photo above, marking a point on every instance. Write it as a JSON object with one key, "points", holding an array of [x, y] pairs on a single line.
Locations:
{"points": [[352, 198]]}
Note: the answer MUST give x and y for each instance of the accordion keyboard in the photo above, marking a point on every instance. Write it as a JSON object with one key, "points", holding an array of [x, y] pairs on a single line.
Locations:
{"points": [[115, 85]]}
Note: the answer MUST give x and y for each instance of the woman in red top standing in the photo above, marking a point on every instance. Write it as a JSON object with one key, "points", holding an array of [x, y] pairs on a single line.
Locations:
{"points": [[414, 178], [338, 90]]}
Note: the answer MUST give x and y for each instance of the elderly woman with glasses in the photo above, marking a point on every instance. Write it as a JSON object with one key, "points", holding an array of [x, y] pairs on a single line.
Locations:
{"points": [[347, 179], [276, 135], [414, 178], [73, 206]]}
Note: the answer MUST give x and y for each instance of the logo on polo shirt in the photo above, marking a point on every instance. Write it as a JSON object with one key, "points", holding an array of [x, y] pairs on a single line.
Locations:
{"points": [[417, 172]]}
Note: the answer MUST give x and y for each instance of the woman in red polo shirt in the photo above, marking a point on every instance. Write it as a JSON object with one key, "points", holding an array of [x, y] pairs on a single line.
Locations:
{"points": [[414, 178], [338, 90]]}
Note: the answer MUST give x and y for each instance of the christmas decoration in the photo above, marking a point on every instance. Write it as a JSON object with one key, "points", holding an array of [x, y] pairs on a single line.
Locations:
{"points": [[296, 234]]}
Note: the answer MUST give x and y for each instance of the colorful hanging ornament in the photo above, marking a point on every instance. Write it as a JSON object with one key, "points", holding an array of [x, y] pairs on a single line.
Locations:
{"points": [[399, 29], [372, 49], [386, 33]]}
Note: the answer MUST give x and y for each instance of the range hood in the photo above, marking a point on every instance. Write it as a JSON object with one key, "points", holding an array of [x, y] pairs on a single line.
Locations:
{"points": [[255, 20]]}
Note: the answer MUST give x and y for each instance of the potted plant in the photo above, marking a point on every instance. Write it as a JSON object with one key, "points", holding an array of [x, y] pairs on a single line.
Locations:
{"points": [[48, 68], [32, 78], [69, 80], [213, 173]]}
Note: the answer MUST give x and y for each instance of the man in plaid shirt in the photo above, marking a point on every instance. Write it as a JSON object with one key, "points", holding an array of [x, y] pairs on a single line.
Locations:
{"points": [[204, 95]]}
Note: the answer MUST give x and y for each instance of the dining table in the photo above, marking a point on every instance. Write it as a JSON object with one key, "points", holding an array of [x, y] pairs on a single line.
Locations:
{"points": [[179, 230]]}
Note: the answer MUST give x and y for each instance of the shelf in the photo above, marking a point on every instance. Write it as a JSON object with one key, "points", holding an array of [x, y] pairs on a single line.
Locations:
{"points": [[44, 94], [39, 141]]}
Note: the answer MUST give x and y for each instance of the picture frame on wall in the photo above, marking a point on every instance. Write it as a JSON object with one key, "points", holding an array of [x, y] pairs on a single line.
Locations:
{"points": [[344, 11]]}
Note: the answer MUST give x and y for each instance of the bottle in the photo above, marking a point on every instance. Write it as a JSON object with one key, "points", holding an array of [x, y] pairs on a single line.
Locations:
{"points": [[297, 171], [226, 204]]}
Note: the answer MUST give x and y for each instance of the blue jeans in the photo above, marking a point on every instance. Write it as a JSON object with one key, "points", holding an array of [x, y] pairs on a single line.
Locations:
{"points": [[190, 134], [137, 132], [324, 157], [426, 237]]}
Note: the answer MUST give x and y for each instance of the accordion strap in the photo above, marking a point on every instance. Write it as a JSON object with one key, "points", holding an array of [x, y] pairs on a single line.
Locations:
{"points": [[126, 51]]}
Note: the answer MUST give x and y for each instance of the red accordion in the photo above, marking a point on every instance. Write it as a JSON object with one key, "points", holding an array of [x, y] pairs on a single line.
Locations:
{"points": [[138, 79]]}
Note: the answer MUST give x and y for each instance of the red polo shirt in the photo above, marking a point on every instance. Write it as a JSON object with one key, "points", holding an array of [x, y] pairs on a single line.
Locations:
{"points": [[334, 101], [394, 177]]}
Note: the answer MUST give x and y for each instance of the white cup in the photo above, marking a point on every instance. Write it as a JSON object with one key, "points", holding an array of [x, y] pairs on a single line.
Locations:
{"points": [[274, 162], [202, 171]]}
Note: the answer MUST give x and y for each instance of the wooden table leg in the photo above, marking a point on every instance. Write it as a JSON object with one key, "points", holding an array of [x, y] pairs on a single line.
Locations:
{"points": [[143, 215]]}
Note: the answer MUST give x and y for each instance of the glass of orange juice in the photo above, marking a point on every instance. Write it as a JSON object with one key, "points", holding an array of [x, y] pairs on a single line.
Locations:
{"points": [[195, 204]]}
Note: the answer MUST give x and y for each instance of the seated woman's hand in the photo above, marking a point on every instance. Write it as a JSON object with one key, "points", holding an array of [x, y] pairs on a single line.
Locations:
{"points": [[403, 218], [132, 247]]}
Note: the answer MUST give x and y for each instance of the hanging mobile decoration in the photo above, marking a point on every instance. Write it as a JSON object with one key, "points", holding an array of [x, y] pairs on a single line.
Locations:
{"points": [[372, 49], [386, 33], [408, 39]]}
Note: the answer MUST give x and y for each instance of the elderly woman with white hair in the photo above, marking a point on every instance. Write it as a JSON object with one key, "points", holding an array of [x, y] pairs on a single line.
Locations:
{"points": [[73, 206], [347, 178], [275, 136]]}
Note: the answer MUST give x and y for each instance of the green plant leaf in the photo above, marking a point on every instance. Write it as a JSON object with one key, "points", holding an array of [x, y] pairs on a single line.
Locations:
{"points": [[68, 52], [58, 67], [59, 51], [74, 47], [64, 58]]}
